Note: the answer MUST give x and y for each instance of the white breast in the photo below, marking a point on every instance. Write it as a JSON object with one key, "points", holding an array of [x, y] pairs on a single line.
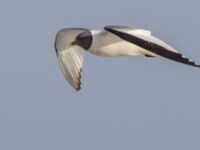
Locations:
{"points": [[108, 44]]}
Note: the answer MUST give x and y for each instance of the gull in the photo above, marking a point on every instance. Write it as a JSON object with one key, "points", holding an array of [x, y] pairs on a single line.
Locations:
{"points": [[72, 44]]}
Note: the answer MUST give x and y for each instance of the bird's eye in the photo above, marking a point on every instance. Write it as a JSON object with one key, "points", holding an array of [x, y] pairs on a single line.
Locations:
{"points": [[80, 38], [83, 40]]}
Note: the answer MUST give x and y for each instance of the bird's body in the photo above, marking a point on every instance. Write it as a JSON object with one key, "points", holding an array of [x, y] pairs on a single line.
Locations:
{"points": [[72, 44], [109, 45]]}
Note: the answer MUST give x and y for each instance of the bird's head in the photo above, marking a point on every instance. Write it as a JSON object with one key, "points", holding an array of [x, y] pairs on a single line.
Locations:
{"points": [[67, 37], [84, 40]]}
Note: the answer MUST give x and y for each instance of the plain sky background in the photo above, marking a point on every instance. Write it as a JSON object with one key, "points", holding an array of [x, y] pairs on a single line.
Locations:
{"points": [[125, 103]]}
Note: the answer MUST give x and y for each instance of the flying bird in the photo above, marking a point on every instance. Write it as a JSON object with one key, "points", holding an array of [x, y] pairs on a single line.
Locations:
{"points": [[72, 44]]}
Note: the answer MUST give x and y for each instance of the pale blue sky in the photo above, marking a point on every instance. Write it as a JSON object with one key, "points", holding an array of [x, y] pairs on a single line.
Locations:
{"points": [[125, 103]]}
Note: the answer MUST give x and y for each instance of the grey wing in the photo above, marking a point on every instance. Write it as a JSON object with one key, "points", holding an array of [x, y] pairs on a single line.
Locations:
{"points": [[71, 61], [129, 30], [150, 43]]}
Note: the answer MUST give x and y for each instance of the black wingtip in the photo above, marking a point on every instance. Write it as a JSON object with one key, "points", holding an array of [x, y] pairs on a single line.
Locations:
{"points": [[188, 61], [152, 47], [197, 65], [78, 89]]}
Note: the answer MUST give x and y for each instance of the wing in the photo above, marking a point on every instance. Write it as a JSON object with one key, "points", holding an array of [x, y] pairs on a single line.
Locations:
{"points": [[130, 30], [71, 62], [151, 44]]}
